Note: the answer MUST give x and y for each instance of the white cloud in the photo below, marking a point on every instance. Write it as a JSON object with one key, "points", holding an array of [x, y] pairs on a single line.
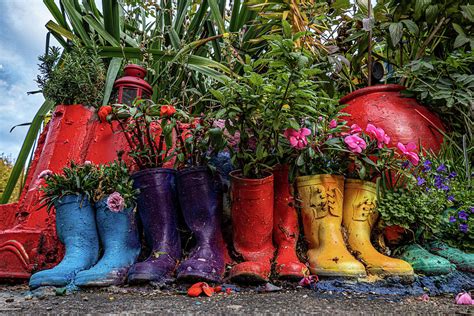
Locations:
{"points": [[22, 39]]}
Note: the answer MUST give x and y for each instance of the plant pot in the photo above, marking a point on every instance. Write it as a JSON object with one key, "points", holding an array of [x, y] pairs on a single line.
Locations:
{"points": [[157, 205], [252, 221], [321, 209], [286, 228], [402, 118], [200, 199], [76, 228], [119, 239]]}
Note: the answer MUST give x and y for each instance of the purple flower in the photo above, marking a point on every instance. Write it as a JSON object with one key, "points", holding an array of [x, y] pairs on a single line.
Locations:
{"points": [[405, 164], [426, 166], [444, 187], [462, 215], [472, 209], [441, 168], [421, 181], [115, 202], [450, 198], [452, 175], [463, 228], [439, 181], [452, 219]]}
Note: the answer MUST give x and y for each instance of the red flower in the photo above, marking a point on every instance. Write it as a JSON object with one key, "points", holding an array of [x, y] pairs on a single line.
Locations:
{"points": [[200, 287], [167, 110], [104, 111]]}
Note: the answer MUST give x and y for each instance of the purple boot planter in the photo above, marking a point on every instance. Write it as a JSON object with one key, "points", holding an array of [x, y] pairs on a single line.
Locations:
{"points": [[157, 207], [200, 199]]}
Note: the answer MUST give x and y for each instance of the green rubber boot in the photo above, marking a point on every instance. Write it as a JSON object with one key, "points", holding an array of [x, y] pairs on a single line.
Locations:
{"points": [[463, 261], [424, 262]]}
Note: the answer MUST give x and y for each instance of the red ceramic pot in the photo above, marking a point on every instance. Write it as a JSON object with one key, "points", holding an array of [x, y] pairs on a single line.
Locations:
{"points": [[402, 118]]}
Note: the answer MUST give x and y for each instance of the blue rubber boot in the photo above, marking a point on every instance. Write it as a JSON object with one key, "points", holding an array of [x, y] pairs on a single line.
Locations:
{"points": [[76, 228], [119, 236]]}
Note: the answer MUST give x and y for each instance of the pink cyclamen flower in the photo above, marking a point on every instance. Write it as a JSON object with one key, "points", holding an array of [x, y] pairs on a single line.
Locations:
{"points": [[307, 281], [297, 138], [464, 298], [379, 134], [115, 202], [355, 143], [409, 152], [355, 129], [333, 124]]}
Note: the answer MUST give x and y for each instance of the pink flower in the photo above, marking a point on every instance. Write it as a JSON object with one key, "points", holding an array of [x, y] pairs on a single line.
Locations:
{"points": [[333, 124], [297, 138], [355, 143], [45, 174], [115, 202], [87, 162], [355, 129], [464, 299], [379, 134], [320, 118], [425, 298], [409, 152], [307, 281]]}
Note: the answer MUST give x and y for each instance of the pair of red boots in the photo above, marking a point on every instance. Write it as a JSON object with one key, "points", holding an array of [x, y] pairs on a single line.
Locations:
{"points": [[264, 216]]}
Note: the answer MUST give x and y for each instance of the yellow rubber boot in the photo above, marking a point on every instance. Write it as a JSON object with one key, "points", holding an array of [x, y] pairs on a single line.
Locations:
{"points": [[359, 217], [322, 198]]}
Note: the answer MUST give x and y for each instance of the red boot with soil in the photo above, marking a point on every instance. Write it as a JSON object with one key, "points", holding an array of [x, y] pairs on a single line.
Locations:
{"points": [[286, 228]]}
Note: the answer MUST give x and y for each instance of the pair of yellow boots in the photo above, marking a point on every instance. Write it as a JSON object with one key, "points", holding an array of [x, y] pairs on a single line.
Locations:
{"points": [[327, 202]]}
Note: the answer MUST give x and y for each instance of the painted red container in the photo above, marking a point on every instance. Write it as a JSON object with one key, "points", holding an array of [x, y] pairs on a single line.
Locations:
{"points": [[402, 118], [252, 224]]}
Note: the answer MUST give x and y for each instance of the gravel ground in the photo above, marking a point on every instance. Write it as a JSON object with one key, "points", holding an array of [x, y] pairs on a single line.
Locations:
{"points": [[149, 300]]}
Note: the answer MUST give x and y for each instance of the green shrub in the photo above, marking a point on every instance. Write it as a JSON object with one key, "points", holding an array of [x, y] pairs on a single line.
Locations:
{"points": [[76, 78]]}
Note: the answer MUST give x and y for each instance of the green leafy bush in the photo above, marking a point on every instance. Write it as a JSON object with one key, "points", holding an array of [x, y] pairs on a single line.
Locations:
{"points": [[115, 177], [76, 179], [78, 77], [445, 86]]}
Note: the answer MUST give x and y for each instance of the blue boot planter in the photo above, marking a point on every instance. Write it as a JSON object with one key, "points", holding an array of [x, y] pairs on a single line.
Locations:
{"points": [[200, 198], [157, 207], [76, 228], [119, 237]]}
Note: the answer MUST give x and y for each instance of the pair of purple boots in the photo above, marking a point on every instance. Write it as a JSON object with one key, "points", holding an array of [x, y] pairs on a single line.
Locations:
{"points": [[200, 201]]}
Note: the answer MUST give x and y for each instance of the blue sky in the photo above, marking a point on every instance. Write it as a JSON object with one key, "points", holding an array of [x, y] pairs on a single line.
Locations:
{"points": [[22, 40]]}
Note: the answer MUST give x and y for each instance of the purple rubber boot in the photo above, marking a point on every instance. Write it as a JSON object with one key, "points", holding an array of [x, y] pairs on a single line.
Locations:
{"points": [[157, 207], [200, 198]]}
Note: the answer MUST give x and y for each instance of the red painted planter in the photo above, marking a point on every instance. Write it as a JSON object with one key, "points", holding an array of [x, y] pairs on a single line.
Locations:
{"points": [[252, 224], [402, 118]]}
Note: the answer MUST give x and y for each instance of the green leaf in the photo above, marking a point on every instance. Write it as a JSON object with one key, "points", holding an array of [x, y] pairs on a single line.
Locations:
{"points": [[216, 14], [25, 150], [468, 11], [460, 40], [396, 32], [411, 26], [114, 68]]}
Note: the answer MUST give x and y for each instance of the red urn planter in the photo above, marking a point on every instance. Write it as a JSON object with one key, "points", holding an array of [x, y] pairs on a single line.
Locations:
{"points": [[402, 118]]}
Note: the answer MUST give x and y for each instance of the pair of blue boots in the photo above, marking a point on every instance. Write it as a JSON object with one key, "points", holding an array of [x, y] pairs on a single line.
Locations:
{"points": [[82, 227]]}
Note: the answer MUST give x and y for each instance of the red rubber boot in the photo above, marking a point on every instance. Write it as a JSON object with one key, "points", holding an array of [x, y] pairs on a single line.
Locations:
{"points": [[286, 228], [252, 224]]}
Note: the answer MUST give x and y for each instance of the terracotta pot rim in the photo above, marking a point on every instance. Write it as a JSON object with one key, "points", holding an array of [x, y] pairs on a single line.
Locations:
{"points": [[378, 88], [148, 171], [236, 176]]}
